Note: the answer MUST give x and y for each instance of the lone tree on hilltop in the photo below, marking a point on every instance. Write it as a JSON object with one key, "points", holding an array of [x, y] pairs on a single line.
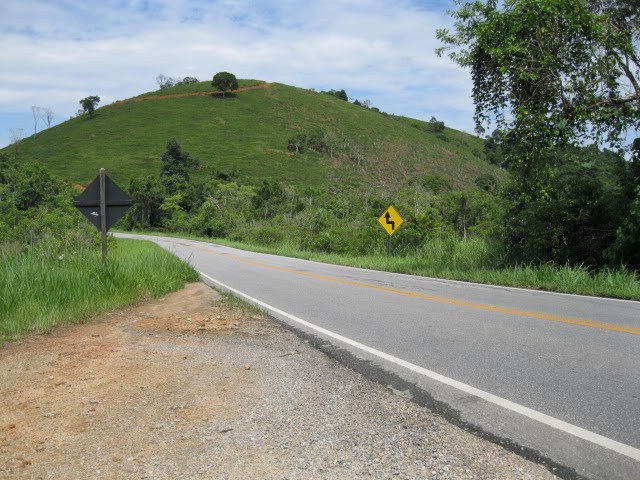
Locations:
{"points": [[224, 81], [89, 104]]}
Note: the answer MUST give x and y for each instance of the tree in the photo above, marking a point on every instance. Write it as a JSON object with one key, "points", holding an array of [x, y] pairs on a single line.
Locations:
{"points": [[493, 149], [224, 81], [165, 82], [148, 194], [48, 116], [576, 223], [188, 81], [37, 114], [297, 143], [435, 125], [626, 249], [89, 104], [341, 94], [550, 73], [486, 182], [16, 135], [435, 184], [176, 163]]}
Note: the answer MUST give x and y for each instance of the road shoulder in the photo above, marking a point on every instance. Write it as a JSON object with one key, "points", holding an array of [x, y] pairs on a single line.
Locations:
{"points": [[188, 387]]}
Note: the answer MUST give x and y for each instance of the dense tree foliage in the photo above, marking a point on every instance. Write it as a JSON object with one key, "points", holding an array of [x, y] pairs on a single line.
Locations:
{"points": [[88, 104], [341, 94], [224, 81], [36, 206], [167, 82], [435, 125], [187, 81], [339, 219], [626, 249], [176, 163], [550, 72]]}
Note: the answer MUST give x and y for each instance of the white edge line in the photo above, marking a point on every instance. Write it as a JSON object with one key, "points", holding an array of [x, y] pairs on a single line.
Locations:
{"points": [[553, 422]]}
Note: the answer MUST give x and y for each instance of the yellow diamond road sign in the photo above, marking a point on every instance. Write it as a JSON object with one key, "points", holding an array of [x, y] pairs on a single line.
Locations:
{"points": [[390, 220]]}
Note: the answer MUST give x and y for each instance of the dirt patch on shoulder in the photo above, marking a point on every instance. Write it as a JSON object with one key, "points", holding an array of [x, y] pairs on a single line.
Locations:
{"points": [[190, 311], [110, 395]]}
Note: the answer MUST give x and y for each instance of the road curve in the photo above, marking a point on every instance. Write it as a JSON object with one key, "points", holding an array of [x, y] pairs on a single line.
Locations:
{"points": [[552, 375]]}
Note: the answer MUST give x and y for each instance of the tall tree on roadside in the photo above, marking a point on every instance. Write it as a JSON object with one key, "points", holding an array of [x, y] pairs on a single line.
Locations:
{"points": [[224, 81], [88, 104], [550, 73]]}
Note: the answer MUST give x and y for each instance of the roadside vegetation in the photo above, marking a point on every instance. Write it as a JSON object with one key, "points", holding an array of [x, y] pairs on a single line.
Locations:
{"points": [[573, 241], [306, 173], [51, 271]]}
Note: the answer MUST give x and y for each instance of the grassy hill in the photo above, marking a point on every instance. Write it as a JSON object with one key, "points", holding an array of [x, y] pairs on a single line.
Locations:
{"points": [[249, 131]]}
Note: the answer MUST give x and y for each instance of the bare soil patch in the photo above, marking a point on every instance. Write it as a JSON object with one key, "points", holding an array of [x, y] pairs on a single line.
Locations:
{"points": [[193, 94], [184, 387]]}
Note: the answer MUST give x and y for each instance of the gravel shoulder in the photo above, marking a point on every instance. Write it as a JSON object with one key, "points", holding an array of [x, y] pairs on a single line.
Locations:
{"points": [[191, 387]]}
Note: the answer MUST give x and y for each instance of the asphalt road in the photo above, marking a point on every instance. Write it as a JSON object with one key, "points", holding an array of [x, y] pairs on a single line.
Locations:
{"points": [[548, 374]]}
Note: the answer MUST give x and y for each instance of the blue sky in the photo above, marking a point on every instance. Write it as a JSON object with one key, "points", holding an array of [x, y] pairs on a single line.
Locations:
{"points": [[56, 52]]}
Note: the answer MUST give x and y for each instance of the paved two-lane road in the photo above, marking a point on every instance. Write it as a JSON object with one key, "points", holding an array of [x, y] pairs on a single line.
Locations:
{"points": [[556, 374]]}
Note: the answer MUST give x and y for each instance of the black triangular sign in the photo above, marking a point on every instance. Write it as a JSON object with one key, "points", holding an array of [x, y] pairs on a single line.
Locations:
{"points": [[117, 202]]}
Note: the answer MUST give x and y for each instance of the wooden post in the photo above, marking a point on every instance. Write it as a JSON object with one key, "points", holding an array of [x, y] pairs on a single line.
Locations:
{"points": [[103, 216]]}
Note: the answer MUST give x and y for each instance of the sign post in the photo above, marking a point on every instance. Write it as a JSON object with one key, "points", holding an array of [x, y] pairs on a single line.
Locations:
{"points": [[390, 221], [103, 216], [103, 203]]}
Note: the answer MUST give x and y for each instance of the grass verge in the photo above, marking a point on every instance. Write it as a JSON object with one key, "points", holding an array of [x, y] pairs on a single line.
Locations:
{"points": [[234, 302], [40, 289], [469, 261]]}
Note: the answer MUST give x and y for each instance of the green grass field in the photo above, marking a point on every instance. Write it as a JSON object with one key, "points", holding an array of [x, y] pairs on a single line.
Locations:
{"points": [[249, 132], [470, 261], [196, 87], [41, 289]]}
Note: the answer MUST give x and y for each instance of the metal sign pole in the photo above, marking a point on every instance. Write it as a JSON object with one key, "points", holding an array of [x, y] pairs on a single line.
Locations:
{"points": [[103, 216], [389, 249]]}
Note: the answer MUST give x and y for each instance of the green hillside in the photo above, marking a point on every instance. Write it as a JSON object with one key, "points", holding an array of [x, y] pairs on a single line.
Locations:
{"points": [[249, 131]]}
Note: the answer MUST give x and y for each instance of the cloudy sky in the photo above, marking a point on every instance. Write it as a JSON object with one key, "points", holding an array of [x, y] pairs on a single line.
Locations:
{"points": [[55, 52]]}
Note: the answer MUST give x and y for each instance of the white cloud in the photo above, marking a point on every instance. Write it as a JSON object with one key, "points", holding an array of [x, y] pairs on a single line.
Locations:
{"points": [[56, 52]]}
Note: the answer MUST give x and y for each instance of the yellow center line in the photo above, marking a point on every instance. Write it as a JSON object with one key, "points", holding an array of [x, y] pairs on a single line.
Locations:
{"points": [[433, 298]]}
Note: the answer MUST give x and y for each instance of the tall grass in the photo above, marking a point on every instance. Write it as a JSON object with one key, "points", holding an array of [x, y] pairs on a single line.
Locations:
{"points": [[475, 260], [40, 288]]}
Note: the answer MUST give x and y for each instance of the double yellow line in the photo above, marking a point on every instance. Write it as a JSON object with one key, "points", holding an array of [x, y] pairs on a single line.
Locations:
{"points": [[433, 298]]}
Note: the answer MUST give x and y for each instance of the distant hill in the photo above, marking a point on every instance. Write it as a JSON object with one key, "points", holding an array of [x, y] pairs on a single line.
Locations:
{"points": [[249, 131]]}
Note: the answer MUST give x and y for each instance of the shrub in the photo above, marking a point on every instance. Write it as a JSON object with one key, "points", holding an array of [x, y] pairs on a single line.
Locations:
{"points": [[435, 126], [486, 182], [435, 183]]}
